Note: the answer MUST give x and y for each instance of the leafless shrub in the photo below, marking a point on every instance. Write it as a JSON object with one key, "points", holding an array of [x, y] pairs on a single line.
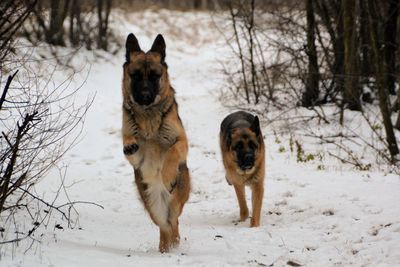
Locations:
{"points": [[319, 83], [72, 23], [40, 120], [39, 123], [12, 15], [253, 75]]}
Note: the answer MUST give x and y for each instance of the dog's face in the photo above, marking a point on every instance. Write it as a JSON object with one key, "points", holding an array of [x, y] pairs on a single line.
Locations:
{"points": [[245, 146], [144, 73]]}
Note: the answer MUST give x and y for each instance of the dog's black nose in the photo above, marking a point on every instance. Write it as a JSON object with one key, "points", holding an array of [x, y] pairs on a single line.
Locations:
{"points": [[146, 94], [249, 159], [247, 162], [146, 97]]}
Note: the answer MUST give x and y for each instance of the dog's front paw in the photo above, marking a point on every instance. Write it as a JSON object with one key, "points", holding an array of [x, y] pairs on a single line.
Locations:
{"points": [[130, 149], [244, 214], [254, 222]]}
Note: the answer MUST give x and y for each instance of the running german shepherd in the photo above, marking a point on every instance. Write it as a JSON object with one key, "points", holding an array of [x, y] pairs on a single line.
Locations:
{"points": [[154, 141], [243, 155]]}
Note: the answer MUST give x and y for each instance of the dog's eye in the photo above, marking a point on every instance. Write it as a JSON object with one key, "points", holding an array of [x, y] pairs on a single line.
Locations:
{"points": [[137, 75], [252, 145], [238, 146], [154, 76]]}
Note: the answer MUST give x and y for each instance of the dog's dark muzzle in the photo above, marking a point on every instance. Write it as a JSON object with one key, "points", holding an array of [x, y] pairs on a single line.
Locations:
{"points": [[147, 97], [144, 97], [246, 162]]}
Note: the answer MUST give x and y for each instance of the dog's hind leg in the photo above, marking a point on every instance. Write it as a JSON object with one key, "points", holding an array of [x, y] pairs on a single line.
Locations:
{"points": [[174, 157], [155, 201], [159, 201], [160, 218], [180, 194], [240, 193], [165, 240], [175, 238], [257, 198]]}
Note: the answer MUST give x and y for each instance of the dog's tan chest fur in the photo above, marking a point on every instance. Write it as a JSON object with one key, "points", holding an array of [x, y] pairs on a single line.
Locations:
{"points": [[149, 126], [242, 178]]}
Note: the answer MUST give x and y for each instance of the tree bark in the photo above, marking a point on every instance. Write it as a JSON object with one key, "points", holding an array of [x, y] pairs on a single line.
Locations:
{"points": [[233, 17], [390, 35], [397, 125], [365, 40], [331, 17], [75, 27], [352, 92], [103, 13], [58, 12], [380, 70], [311, 94], [250, 28]]}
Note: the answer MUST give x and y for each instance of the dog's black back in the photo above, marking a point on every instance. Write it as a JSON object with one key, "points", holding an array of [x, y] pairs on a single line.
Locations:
{"points": [[238, 119]]}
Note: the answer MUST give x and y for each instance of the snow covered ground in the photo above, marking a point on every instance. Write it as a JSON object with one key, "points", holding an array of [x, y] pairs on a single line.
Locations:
{"points": [[310, 217]]}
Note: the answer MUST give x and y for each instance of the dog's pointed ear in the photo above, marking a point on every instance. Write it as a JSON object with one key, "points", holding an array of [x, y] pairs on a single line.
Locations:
{"points": [[255, 126], [131, 45], [228, 138], [159, 46]]}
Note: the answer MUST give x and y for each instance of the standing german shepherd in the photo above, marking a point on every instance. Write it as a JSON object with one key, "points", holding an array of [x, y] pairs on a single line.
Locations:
{"points": [[154, 140], [243, 155]]}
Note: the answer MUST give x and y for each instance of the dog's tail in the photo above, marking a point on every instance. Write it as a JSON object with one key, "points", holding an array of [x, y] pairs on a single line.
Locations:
{"points": [[158, 202]]}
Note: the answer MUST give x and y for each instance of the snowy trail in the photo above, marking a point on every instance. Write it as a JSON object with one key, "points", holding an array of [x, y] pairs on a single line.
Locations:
{"points": [[309, 217]]}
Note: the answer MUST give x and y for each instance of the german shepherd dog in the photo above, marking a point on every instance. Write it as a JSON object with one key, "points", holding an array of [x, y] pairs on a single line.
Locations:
{"points": [[154, 140], [243, 155]]}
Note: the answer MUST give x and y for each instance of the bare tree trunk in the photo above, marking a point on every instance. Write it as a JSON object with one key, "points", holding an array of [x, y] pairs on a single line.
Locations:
{"points": [[198, 4], [311, 94], [250, 28], [397, 125], [364, 40], [103, 13], [339, 51], [352, 92], [58, 13], [204, 4], [75, 26], [390, 35], [331, 17], [380, 70], [240, 52]]}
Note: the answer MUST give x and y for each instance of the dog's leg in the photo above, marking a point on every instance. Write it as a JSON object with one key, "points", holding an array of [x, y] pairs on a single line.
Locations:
{"points": [[240, 193], [257, 198], [174, 156], [165, 240], [156, 201], [175, 238], [156, 212], [142, 187], [130, 129], [130, 145], [180, 195]]}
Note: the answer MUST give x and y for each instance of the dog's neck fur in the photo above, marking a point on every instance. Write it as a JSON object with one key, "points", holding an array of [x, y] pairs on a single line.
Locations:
{"points": [[250, 177], [149, 118], [161, 108]]}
